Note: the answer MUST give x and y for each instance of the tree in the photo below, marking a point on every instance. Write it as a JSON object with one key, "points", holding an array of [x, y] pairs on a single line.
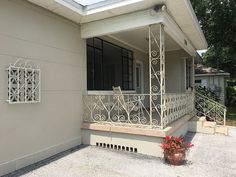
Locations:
{"points": [[218, 21]]}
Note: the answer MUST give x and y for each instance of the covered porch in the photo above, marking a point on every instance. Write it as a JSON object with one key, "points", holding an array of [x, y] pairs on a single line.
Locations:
{"points": [[159, 88]]}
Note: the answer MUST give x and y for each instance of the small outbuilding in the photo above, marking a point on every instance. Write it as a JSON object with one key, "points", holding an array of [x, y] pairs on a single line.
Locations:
{"points": [[213, 79]]}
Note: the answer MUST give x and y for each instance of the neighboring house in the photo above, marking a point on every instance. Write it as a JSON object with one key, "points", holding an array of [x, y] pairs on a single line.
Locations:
{"points": [[213, 79], [59, 60]]}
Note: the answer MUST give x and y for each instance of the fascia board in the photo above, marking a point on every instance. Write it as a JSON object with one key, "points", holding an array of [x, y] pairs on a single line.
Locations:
{"points": [[195, 21], [120, 23], [176, 33]]}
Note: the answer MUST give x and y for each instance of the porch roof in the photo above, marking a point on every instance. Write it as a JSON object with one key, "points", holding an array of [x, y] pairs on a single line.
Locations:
{"points": [[181, 12], [202, 70]]}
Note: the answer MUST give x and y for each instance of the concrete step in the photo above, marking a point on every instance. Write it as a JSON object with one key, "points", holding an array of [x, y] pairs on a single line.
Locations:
{"points": [[200, 125], [209, 124], [221, 129]]}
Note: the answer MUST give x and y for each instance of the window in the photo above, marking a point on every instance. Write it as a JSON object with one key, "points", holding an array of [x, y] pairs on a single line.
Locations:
{"points": [[198, 81], [189, 73], [108, 65], [23, 82]]}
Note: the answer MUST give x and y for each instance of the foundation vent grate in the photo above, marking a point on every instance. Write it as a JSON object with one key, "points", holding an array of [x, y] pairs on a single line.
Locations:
{"points": [[117, 147]]}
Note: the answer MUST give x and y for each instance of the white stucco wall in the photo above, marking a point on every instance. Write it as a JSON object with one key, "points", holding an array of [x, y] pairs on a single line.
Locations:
{"points": [[175, 71], [32, 132]]}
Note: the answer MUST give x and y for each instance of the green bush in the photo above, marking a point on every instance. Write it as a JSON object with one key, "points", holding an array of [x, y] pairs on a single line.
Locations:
{"points": [[207, 92], [231, 95]]}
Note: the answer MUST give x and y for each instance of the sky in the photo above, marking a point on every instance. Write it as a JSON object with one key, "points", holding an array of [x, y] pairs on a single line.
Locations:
{"points": [[87, 2], [200, 52]]}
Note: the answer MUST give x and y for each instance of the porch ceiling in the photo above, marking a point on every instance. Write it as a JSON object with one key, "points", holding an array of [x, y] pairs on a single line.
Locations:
{"points": [[138, 39]]}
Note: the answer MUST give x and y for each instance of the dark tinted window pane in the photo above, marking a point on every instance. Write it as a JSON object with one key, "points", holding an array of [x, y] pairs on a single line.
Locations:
{"points": [[98, 75], [90, 41], [98, 43], [112, 66], [198, 81], [125, 53], [137, 77], [108, 65], [90, 68], [130, 54]]}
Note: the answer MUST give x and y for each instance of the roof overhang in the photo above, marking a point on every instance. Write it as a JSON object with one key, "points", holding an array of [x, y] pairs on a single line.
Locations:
{"points": [[137, 20], [180, 11], [215, 74]]}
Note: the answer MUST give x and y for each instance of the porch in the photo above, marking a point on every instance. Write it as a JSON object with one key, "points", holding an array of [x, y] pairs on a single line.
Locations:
{"points": [[153, 97], [109, 109]]}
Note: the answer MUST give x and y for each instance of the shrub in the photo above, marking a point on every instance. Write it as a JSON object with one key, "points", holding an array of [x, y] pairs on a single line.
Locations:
{"points": [[231, 96], [208, 93]]}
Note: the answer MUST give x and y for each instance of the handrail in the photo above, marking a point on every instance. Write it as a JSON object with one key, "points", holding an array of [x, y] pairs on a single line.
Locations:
{"points": [[210, 99], [104, 108], [210, 108]]}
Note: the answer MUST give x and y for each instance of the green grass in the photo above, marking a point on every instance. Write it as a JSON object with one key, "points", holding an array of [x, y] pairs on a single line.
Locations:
{"points": [[231, 113]]}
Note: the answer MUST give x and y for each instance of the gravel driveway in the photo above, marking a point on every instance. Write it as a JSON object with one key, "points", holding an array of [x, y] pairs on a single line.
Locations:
{"points": [[212, 156]]}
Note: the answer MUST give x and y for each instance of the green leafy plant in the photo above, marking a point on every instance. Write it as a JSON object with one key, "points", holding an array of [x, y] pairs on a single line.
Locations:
{"points": [[231, 96], [208, 93]]}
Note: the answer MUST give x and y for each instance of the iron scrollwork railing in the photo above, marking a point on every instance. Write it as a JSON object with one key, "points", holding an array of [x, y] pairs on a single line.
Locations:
{"points": [[177, 105], [128, 109], [135, 110], [209, 108]]}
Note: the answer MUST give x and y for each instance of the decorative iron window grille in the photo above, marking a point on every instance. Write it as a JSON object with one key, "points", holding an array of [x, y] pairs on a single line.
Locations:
{"points": [[24, 82]]}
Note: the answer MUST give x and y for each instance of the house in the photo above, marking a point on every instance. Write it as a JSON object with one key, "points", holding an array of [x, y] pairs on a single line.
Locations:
{"points": [[213, 79], [59, 60]]}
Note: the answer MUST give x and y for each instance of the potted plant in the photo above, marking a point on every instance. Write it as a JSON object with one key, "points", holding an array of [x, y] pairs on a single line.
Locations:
{"points": [[175, 149]]}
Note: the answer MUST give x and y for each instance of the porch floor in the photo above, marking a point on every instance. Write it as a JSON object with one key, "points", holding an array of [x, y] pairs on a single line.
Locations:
{"points": [[136, 129], [212, 155]]}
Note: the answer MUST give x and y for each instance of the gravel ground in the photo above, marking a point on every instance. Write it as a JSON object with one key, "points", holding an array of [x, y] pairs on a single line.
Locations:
{"points": [[212, 156]]}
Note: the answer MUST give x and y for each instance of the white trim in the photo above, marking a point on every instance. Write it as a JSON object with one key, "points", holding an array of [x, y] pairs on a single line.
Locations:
{"points": [[93, 8], [137, 20], [120, 23], [108, 92], [195, 21], [142, 76], [71, 6], [185, 73], [110, 6], [172, 29], [126, 43]]}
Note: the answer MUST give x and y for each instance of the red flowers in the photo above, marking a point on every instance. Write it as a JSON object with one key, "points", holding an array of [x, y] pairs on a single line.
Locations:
{"points": [[175, 144]]}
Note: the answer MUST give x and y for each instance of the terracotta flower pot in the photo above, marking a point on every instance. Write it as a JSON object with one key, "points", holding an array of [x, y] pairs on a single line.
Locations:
{"points": [[175, 158]]}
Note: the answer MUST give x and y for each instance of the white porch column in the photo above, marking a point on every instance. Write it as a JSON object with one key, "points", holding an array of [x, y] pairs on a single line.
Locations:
{"points": [[157, 74]]}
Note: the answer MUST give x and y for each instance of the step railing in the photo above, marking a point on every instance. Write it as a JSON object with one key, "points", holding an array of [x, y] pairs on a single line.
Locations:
{"points": [[209, 108]]}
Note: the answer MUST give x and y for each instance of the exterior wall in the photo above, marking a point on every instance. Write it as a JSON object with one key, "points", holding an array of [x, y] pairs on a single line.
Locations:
{"points": [[32, 132], [175, 71], [144, 144], [212, 81]]}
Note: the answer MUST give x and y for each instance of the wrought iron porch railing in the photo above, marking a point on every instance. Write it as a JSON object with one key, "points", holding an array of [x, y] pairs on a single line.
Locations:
{"points": [[177, 105], [209, 108], [135, 110]]}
